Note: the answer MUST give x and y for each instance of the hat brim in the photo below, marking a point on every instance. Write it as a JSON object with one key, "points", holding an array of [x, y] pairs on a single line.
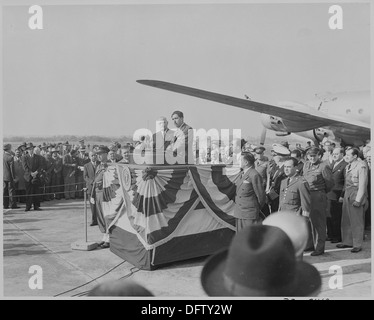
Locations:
{"points": [[307, 280], [212, 276], [282, 154]]}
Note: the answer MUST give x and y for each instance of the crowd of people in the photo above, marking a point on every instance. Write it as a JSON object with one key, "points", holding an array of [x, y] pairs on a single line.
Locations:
{"points": [[328, 185], [33, 174]]}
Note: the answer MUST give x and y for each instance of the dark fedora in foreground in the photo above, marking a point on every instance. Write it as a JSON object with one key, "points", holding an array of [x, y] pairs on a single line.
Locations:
{"points": [[260, 262]]}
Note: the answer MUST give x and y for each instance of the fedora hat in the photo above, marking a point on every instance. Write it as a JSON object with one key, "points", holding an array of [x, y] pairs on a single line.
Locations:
{"points": [[260, 262], [260, 149], [7, 147], [29, 146], [102, 149]]}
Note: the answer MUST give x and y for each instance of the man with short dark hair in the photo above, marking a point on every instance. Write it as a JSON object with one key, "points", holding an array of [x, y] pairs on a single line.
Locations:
{"points": [[294, 191], [319, 177], [250, 194], [182, 141]]}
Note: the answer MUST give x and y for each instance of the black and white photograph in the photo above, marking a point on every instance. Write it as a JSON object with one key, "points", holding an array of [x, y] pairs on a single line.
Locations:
{"points": [[186, 150]]}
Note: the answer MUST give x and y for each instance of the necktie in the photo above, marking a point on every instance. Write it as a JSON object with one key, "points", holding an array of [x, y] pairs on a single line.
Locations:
{"points": [[288, 181]]}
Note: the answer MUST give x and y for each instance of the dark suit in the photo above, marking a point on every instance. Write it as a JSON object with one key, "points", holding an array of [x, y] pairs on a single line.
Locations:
{"points": [[249, 199], [82, 159], [160, 142], [32, 164], [57, 181], [180, 139], [68, 171], [334, 222], [89, 177], [8, 181]]}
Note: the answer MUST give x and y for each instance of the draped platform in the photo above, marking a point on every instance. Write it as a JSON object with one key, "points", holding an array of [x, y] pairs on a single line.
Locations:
{"points": [[162, 214]]}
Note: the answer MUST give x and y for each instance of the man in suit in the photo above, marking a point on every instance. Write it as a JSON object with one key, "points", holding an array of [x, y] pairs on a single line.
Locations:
{"points": [[56, 175], [250, 194], [32, 165], [89, 176], [161, 140], [68, 170], [294, 190], [338, 174], [82, 159], [183, 139], [9, 192]]}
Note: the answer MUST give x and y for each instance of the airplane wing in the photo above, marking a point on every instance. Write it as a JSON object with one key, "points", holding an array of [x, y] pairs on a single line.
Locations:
{"points": [[312, 119]]}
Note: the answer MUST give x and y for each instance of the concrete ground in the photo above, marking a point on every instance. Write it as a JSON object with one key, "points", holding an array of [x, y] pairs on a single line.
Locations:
{"points": [[44, 238]]}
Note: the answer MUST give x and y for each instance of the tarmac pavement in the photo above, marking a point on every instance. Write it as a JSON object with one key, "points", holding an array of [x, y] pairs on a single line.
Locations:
{"points": [[44, 238]]}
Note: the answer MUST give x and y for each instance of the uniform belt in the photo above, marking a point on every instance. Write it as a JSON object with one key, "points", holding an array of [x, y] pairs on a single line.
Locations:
{"points": [[317, 190], [351, 186], [99, 186]]}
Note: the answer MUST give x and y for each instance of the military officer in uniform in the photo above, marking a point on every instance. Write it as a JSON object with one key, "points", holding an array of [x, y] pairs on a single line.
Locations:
{"points": [[275, 175], [319, 177], [97, 194], [294, 191], [250, 194], [262, 167], [354, 201]]}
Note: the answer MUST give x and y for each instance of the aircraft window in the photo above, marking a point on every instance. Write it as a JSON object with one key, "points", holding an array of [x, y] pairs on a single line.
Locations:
{"points": [[360, 111], [348, 111]]}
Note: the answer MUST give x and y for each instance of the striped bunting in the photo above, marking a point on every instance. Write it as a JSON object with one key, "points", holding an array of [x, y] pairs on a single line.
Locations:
{"points": [[162, 199]]}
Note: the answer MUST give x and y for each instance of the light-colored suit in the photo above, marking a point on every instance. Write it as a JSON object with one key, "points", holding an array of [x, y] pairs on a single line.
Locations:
{"points": [[355, 189]]}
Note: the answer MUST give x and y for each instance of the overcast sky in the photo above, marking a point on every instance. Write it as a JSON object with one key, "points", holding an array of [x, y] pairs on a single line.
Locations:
{"points": [[78, 75]]}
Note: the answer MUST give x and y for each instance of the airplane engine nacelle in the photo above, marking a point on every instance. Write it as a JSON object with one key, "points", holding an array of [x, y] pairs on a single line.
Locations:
{"points": [[273, 123]]}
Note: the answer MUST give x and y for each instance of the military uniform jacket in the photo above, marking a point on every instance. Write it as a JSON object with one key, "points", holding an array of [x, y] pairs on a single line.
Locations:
{"points": [[295, 196], [356, 180], [338, 175], [89, 175], [98, 180], [250, 195], [318, 176]]}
